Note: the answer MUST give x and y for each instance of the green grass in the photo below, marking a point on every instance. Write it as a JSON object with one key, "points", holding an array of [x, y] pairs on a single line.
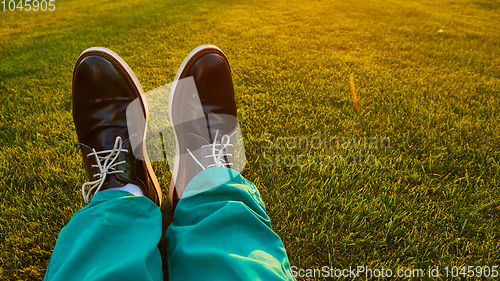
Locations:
{"points": [[426, 74]]}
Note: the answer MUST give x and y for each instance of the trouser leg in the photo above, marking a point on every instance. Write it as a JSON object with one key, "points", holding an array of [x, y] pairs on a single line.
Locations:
{"points": [[221, 231], [114, 237]]}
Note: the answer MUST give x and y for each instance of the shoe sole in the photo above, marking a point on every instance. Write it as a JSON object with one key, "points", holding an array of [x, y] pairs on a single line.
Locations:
{"points": [[193, 56], [130, 75]]}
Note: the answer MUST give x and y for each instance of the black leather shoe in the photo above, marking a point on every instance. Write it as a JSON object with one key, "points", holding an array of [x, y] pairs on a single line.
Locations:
{"points": [[204, 123], [103, 87]]}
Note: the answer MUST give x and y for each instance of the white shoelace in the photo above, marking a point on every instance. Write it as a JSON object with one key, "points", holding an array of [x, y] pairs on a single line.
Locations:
{"points": [[217, 153], [107, 168]]}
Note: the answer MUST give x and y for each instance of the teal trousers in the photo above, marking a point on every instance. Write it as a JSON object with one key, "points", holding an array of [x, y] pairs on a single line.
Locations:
{"points": [[220, 231]]}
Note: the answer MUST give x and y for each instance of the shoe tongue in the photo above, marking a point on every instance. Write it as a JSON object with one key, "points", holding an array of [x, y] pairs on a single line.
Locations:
{"points": [[105, 140], [204, 129], [224, 124], [112, 180], [206, 161], [208, 154]]}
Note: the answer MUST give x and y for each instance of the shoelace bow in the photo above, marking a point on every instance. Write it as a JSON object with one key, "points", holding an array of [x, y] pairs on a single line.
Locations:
{"points": [[217, 154], [107, 168]]}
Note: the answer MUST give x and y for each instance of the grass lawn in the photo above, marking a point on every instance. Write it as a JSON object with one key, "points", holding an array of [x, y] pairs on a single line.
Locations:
{"points": [[412, 86]]}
